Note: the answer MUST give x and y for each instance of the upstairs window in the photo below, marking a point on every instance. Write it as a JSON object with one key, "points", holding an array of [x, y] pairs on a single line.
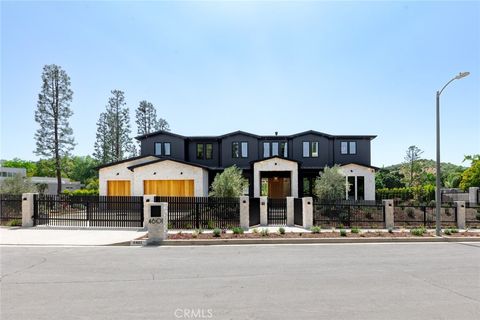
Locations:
{"points": [[208, 151], [244, 149], [274, 148], [310, 149], [348, 147], [200, 153], [284, 149], [158, 148], [266, 149], [166, 148], [235, 149]]}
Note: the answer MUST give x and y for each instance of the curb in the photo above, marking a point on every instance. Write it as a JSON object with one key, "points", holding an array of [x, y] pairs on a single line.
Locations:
{"points": [[301, 241]]}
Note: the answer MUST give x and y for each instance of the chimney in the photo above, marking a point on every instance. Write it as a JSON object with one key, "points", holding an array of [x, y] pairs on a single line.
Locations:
{"points": [[276, 133]]}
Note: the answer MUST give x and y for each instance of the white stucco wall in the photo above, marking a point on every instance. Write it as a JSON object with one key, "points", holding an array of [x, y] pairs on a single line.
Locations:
{"points": [[171, 170], [275, 164], [355, 170], [118, 172]]}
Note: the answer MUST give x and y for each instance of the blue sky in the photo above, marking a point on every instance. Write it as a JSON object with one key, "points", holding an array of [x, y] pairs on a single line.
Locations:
{"points": [[212, 68]]}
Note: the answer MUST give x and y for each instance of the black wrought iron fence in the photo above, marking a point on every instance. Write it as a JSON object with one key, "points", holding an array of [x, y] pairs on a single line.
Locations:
{"points": [[348, 214], [10, 207], [415, 216], [202, 212], [472, 215]]}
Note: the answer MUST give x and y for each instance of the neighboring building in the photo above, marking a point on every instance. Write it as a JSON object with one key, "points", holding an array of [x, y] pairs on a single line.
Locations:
{"points": [[275, 166], [49, 182]]}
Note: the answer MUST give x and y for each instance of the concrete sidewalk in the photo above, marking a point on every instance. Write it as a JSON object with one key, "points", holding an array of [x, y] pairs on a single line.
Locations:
{"points": [[75, 237]]}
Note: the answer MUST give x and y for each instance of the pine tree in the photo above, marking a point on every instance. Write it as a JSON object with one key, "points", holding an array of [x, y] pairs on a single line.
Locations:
{"points": [[146, 118], [54, 138], [113, 141], [162, 124]]}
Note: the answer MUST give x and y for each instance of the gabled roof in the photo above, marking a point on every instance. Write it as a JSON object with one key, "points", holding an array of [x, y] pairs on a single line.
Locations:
{"points": [[143, 136], [132, 168], [122, 161], [277, 157], [361, 165], [318, 133], [239, 132]]}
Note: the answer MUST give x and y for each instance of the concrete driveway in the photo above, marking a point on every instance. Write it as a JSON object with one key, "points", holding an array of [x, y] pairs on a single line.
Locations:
{"points": [[75, 237]]}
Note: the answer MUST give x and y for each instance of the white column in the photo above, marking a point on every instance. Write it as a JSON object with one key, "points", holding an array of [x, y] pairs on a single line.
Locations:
{"points": [[146, 210], [245, 212], [27, 209], [307, 205], [389, 220], [460, 214], [290, 211], [263, 211], [355, 186], [473, 195]]}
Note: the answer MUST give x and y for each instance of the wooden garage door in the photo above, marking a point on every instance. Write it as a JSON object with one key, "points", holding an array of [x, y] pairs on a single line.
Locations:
{"points": [[118, 187], [172, 188]]}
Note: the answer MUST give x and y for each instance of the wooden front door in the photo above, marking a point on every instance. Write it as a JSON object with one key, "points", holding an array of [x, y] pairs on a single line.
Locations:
{"points": [[118, 188], [278, 187], [169, 188]]}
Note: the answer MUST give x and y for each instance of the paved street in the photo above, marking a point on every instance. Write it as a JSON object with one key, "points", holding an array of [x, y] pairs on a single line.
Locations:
{"points": [[353, 281]]}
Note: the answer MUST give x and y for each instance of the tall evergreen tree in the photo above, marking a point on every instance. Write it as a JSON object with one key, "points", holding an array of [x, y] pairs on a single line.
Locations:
{"points": [[146, 118], [113, 141], [163, 125], [54, 138]]}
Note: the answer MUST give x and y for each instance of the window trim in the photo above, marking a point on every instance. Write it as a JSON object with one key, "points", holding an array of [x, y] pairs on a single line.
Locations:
{"points": [[202, 146], [241, 149], [349, 151], [269, 153], [160, 144], [211, 151], [238, 149], [165, 149], [311, 149], [303, 149]]}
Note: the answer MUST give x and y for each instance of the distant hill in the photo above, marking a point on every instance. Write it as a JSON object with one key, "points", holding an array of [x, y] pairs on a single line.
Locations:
{"points": [[429, 166]]}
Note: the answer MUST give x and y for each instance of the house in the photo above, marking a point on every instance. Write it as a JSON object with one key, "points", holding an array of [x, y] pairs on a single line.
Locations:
{"points": [[275, 166], [47, 184]]}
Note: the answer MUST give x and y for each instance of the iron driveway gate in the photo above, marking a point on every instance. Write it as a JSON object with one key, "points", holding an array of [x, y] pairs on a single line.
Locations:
{"points": [[277, 212], [88, 211], [254, 212], [298, 212]]}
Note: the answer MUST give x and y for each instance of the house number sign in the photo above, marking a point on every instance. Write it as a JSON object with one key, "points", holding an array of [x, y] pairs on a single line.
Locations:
{"points": [[155, 220]]}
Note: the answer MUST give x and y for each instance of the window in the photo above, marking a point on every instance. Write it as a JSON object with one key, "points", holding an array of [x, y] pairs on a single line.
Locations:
{"points": [[284, 149], [200, 153], [348, 147], [266, 149], [208, 151], [274, 148], [235, 150], [310, 149], [351, 191], [353, 147], [158, 148], [314, 149], [166, 148], [244, 149], [306, 149]]}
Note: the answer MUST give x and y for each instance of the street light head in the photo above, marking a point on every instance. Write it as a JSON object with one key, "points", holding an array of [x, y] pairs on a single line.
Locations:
{"points": [[462, 75]]}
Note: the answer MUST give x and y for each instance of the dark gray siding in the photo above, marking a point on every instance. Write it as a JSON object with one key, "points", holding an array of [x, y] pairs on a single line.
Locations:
{"points": [[177, 145], [192, 153], [226, 157], [324, 150], [361, 157]]}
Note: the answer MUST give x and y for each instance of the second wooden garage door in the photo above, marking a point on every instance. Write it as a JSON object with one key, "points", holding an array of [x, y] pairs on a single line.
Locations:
{"points": [[173, 188]]}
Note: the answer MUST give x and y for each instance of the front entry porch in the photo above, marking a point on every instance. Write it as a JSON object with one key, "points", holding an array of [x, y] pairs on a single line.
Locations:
{"points": [[275, 178]]}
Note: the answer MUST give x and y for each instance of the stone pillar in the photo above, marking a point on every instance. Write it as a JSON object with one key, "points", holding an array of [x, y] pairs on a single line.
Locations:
{"points": [[473, 195], [307, 205], [245, 212], [290, 211], [460, 214], [158, 222], [263, 211], [27, 209], [146, 211], [388, 208]]}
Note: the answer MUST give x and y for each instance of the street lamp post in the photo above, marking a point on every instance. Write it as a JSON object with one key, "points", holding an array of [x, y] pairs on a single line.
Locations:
{"points": [[438, 195]]}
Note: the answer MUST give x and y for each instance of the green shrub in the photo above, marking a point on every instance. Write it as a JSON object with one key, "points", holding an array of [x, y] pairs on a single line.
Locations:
{"points": [[343, 232], [237, 230], [199, 231], [390, 230], [418, 231], [210, 224], [281, 230], [315, 229], [170, 225], [477, 216], [355, 230], [447, 232], [188, 226], [255, 230], [81, 192], [217, 232], [264, 232], [14, 223], [453, 230], [194, 234]]}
